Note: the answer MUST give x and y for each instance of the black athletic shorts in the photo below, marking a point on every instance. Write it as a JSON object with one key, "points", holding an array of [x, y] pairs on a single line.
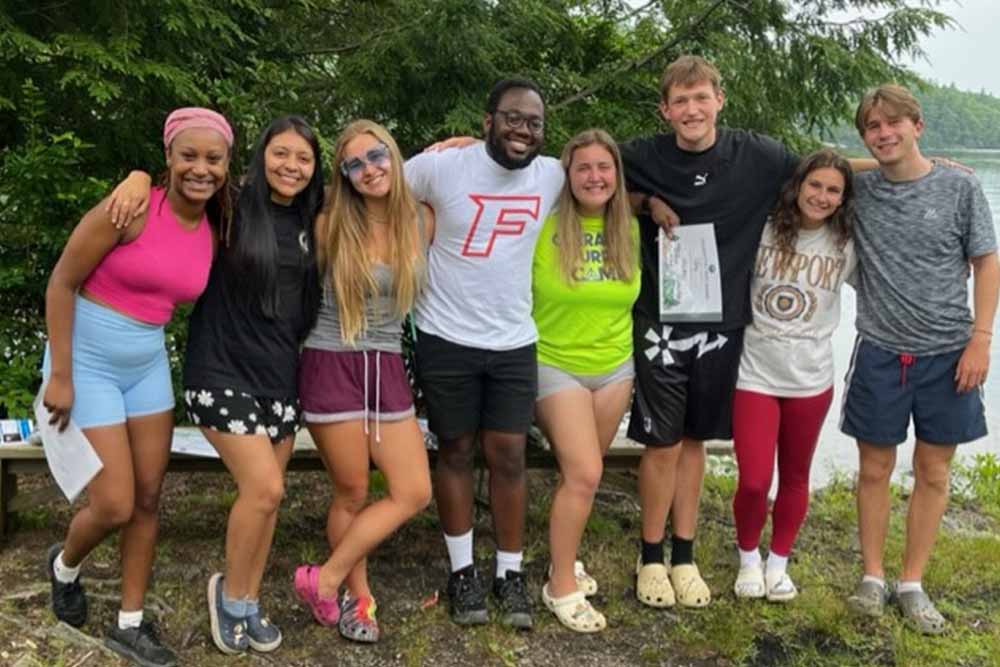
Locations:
{"points": [[468, 389], [684, 383]]}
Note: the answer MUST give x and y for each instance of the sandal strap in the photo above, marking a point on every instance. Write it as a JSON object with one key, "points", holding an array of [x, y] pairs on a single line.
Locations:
{"points": [[563, 601]]}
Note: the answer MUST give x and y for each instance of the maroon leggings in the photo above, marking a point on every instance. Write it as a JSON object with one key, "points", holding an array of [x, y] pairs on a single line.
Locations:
{"points": [[762, 427]]}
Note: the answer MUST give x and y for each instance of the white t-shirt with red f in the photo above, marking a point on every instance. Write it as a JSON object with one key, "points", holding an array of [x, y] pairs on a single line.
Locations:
{"points": [[478, 291]]}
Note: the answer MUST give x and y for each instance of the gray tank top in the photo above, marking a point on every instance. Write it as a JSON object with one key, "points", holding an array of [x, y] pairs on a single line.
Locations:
{"points": [[384, 325]]}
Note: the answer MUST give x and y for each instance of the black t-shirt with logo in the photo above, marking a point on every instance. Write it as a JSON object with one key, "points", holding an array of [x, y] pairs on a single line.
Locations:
{"points": [[232, 344], [734, 184]]}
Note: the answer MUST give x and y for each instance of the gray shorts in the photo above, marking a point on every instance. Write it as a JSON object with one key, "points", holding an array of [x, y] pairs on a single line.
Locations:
{"points": [[552, 379]]}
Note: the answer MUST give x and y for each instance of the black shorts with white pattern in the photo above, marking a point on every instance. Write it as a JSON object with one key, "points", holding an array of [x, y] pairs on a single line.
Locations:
{"points": [[240, 413]]}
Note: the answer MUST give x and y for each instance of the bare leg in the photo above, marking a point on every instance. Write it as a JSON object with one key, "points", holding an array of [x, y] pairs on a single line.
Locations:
{"points": [[876, 464], [931, 469], [402, 458], [149, 438], [687, 492], [581, 426], [110, 495], [252, 462], [657, 477], [453, 483], [344, 449], [282, 453], [504, 454]]}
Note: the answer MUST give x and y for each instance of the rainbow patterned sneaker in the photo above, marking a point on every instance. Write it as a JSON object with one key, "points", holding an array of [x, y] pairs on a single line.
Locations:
{"points": [[357, 619]]}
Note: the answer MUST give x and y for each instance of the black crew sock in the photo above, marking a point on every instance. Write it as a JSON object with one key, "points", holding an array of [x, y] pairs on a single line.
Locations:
{"points": [[652, 552], [681, 551]]}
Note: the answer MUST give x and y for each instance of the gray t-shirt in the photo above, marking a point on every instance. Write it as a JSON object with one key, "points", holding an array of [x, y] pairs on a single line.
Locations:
{"points": [[914, 240], [385, 327]]}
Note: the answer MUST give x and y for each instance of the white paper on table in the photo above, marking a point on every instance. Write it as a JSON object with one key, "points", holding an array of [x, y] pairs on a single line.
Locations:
{"points": [[190, 441], [690, 288], [72, 459]]}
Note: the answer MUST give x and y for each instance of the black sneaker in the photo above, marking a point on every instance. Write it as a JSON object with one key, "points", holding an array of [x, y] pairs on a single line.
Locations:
{"points": [[141, 645], [511, 593], [466, 597], [69, 601]]}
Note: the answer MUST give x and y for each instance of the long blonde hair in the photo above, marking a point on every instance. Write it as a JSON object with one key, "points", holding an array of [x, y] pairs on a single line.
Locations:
{"points": [[344, 236], [619, 244]]}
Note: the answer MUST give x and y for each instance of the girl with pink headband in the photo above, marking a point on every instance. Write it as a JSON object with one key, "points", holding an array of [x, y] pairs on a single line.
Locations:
{"points": [[241, 362], [122, 286]]}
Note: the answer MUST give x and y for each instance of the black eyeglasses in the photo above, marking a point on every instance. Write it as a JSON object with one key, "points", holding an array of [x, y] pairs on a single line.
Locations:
{"points": [[378, 156], [516, 119]]}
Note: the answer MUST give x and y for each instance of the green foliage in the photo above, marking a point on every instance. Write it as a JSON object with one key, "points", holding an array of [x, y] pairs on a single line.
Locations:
{"points": [[979, 481], [42, 191], [84, 88]]}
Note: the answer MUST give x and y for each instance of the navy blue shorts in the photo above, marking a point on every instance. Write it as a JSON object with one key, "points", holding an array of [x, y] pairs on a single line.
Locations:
{"points": [[883, 389]]}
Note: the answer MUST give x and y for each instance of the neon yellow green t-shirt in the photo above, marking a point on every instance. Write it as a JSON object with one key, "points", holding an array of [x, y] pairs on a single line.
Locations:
{"points": [[583, 328]]}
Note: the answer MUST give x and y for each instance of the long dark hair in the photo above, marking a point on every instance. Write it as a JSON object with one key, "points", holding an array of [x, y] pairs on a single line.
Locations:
{"points": [[786, 219], [251, 247]]}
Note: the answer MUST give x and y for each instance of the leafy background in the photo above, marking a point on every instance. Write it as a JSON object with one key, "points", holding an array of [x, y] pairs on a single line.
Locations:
{"points": [[85, 86]]}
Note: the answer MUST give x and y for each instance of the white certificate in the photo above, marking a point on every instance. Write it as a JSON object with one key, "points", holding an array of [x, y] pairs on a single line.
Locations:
{"points": [[72, 459], [690, 286]]}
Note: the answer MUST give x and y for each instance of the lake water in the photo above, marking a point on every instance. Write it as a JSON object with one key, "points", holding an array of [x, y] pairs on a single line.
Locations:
{"points": [[837, 451]]}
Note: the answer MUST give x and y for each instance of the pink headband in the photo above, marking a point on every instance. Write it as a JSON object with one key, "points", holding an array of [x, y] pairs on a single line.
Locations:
{"points": [[187, 117]]}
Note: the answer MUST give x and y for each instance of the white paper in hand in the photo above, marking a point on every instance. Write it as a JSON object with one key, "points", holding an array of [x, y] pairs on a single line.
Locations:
{"points": [[72, 459]]}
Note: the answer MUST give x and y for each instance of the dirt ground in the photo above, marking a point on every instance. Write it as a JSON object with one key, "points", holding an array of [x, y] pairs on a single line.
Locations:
{"points": [[408, 573]]}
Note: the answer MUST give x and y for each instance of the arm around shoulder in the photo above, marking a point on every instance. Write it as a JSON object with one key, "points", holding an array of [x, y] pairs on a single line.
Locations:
{"points": [[129, 199]]}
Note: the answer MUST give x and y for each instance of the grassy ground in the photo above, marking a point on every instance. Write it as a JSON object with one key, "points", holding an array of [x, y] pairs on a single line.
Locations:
{"points": [[814, 630]]}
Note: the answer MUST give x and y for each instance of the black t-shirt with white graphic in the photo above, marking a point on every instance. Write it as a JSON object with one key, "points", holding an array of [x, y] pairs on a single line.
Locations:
{"points": [[232, 344], [734, 184]]}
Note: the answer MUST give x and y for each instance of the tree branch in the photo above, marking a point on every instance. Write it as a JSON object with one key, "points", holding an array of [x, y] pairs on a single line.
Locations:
{"points": [[640, 62], [364, 40]]}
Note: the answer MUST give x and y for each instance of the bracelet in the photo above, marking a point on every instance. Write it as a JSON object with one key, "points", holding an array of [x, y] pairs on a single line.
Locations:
{"points": [[983, 331], [644, 204]]}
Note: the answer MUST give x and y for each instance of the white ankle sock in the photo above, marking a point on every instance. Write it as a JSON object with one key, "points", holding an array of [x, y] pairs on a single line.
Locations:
{"points": [[64, 573], [459, 550], [129, 619], [909, 587], [749, 558], [776, 565], [508, 560], [872, 578]]}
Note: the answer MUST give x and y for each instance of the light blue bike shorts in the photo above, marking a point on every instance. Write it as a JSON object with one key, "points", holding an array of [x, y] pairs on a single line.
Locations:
{"points": [[120, 367]]}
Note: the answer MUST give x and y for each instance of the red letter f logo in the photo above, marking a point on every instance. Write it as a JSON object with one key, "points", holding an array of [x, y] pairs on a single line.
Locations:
{"points": [[496, 215]]}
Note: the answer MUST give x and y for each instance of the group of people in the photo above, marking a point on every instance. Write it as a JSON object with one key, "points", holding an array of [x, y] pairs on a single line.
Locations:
{"points": [[534, 288]]}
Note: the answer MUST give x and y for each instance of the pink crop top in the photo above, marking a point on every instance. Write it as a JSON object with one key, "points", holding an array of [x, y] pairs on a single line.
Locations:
{"points": [[165, 265]]}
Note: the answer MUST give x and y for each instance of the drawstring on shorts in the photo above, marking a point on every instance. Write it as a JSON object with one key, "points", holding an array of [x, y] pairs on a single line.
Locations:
{"points": [[905, 360], [378, 393]]}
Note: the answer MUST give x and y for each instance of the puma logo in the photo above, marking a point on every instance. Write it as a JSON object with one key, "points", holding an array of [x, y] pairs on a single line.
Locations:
{"points": [[700, 179]]}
